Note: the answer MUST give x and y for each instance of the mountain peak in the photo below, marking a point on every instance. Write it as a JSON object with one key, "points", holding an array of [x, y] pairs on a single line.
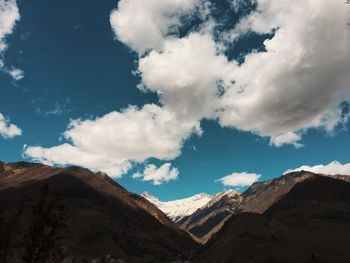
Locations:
{"points": [[177, 209], [99, 210], [200, 196], [150, 198], [230, 192]]}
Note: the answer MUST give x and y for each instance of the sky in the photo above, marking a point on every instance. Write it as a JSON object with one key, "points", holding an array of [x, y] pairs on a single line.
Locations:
{"points": [[177, 97]]}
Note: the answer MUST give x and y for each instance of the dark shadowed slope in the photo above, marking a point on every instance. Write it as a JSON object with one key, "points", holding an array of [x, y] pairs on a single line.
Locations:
{"points": [[102, 217], [209, 219], [310, 223], [259, 197]]}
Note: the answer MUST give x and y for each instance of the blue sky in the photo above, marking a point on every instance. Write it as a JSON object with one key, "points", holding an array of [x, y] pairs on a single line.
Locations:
{"points": [[80, 61]]}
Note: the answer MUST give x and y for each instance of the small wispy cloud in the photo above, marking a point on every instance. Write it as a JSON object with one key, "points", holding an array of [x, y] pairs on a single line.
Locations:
{"points": [[239, 179], [16, 73], [7, 129], [58, 108], [157, 176]]}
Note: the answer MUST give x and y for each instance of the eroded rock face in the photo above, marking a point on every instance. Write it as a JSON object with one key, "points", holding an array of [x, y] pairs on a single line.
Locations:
{"points": [[208, 219], [260, 196]]}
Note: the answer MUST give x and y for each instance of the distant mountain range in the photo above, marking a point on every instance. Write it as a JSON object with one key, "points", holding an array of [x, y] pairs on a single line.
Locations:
{"points": [[199, 214], [178, 209], [74, 215], [208, 219]]}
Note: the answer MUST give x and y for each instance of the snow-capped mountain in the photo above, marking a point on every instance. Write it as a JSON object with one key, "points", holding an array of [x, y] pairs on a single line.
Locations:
{"points": [[178, 209], [208, 219]]}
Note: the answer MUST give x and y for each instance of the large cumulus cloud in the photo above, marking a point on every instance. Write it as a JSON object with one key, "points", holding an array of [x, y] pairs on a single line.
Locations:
{"points": [[144, 25], [296, 83], [303, 76], [113, 142]]}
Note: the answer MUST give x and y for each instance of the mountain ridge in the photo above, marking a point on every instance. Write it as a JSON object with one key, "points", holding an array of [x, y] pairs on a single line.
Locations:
{"points": [[209, 219], [106, 223], [310, 223], [103, 217], [178, 209]]}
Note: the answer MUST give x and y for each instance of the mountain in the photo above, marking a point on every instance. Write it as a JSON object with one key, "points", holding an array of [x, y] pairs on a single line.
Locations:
{"points": [[260, 196], [176, 210], [74, 215], [308, 223], [256, 199], [208, 219], [77, 215]]}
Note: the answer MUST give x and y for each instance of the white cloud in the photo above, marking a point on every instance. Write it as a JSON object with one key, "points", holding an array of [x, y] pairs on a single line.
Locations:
{"points": [[7, 129], [111, 143], [302, 77], [188, 75], [333, 168], [145, 24], [58, 108], [157, 176], [286, 138], [132, 134], [16, 74], [67, 154], [9, 15], [297, 84], [239, 179]]}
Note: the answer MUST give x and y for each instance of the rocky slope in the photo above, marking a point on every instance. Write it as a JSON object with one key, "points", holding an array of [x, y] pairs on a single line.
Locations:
{"points": [[308, 223], [260, 196], [100, 217], [208, 219]]}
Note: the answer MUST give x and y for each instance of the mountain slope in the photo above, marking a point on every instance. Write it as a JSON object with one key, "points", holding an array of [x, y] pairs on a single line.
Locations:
{"points": [[209, 218], [256, 199], [260, 196], [103, 218], [309, 223], [178, 209]]}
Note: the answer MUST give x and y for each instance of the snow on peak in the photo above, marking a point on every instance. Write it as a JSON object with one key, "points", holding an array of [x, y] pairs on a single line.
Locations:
{"points": [[151, 198], [178, 209], [228, 194]]}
